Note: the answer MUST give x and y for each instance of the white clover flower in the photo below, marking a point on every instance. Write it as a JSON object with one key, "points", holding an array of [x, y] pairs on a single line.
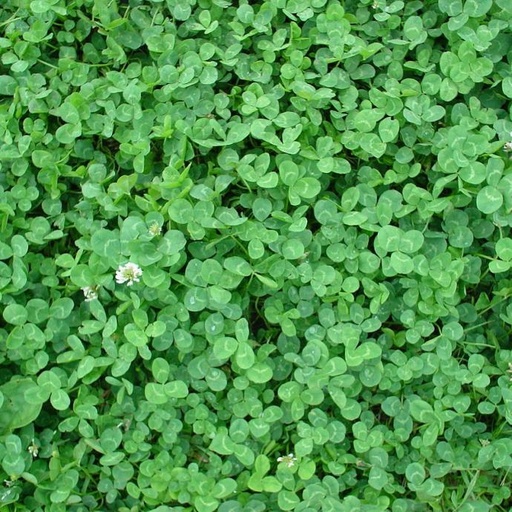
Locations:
{"points": [[128, 273], [289, 460], [155, 229], [508, 145], [90, 293], [33, 449]]}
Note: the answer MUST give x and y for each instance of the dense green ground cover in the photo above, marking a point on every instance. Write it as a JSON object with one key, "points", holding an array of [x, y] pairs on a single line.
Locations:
{"points": [[255, 256]]}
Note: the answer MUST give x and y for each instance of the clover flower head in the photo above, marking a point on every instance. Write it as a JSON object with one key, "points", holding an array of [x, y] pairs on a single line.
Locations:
{"points": [[128, 273], [90, 293], [33, 449], [289, 460], [155, 229], [507, 147]]}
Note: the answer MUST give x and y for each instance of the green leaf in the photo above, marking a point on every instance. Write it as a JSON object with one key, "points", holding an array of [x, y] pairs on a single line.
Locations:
{"points": [[451, 7], [474, 173], [477, 8], [181, 211], [411, 241], [504, 249], [211, 271], [506, 85], [432, 487], [132, 93], [13, 463], [154, 277], [85, 366], [448, 90], [434, 114], [82, 276], [135, 335], [245, 357], [364, 352], [172, 242], [155, 393], [244, 454], [196, 299], [388, 129], [489, 199], [160, 369], [287, 500], [225, 347], [38, 311], [402, 263], [176, 389], [259, 373], [288, 172], [354, 218], [378, 478], [112, 459], [60, 400], [389, 238], [351, 411], [106, 244], [308, 188], [16, 411], [238, 266], [224, 488], [261, 208], [415, 473], [222, 444], [205, 504], [414, 30], [365, 120], [5, 251], [422, 411], [68, 133], [461, 237], [7, 85], [15, 314], [371, 143], [19, 245], [292, 249], [49, 381]]}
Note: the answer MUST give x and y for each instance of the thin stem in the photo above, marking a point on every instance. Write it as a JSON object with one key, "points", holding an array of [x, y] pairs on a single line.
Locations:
{"points": [[47, 64]]}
